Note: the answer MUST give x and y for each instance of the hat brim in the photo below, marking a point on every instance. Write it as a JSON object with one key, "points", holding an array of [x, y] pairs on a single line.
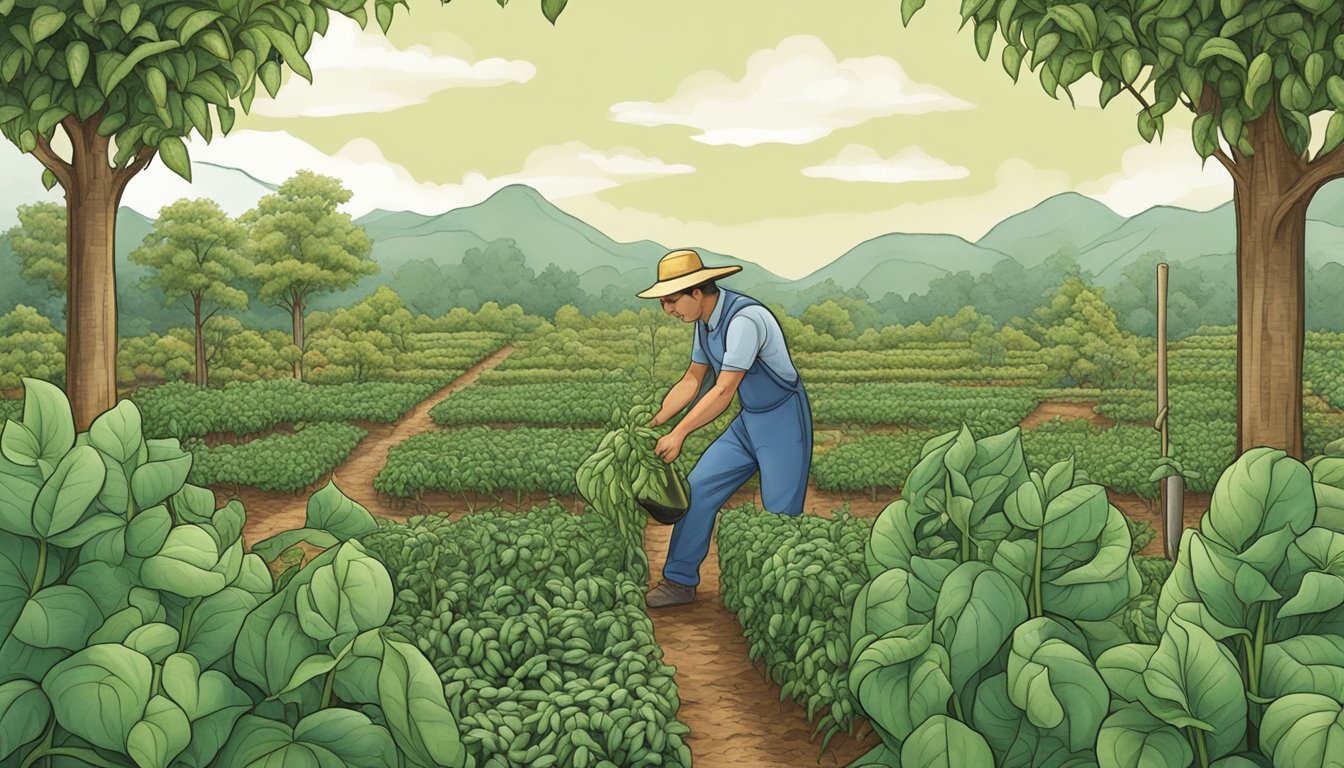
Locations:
{"points": [[665, 287]]}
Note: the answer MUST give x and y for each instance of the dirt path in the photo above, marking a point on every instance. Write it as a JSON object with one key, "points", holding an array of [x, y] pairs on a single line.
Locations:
{"points": [[1066, 411], [732, 708], [272, 512]]}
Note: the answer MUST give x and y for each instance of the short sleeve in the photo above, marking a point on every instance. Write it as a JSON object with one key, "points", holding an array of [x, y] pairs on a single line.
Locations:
{"points": [[697, 354], [743, 342]]}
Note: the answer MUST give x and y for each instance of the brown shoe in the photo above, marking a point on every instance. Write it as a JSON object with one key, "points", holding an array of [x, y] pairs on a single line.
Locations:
{"points": [[669, 593]]}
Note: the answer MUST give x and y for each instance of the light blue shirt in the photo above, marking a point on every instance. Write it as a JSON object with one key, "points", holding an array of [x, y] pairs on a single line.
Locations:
{"points": [[753, 333]]}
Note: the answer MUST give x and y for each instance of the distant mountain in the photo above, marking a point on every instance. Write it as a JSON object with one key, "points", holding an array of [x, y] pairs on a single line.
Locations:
{"points": [[903, 263], [1104, 242], [1069, 220]]}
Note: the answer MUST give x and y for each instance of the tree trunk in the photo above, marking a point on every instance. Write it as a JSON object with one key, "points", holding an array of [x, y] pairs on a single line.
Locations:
{"points": [[91, 307], [298, 337], [1271, 266], [202, 375]]}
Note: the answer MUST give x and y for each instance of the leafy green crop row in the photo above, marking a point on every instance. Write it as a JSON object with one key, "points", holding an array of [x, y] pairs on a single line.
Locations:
{"points": [[276, 462], [932, 406], [974, 374], [540, 636], [791, 581], [868, 462], [540, 404], [182, 410], [134, 630], [486, 460]]}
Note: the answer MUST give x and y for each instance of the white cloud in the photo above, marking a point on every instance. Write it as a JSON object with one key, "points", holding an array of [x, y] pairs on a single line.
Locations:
{"points": [[1164, 173], [558, 172], [356, 72], [857, 162], [795, 93]]}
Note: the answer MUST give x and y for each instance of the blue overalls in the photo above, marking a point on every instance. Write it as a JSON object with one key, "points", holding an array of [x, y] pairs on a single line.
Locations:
{"points": [[772, 433]]}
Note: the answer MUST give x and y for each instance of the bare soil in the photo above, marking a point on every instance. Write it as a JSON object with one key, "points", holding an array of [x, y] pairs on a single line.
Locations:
{"points": [[1066, 411]]}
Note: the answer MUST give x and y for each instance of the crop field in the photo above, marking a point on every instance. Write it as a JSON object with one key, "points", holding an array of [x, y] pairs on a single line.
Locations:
{"points": [[531, 615]]}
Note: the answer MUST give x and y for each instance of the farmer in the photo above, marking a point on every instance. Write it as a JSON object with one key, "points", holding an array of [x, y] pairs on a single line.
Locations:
{"points": [[741, 342]]}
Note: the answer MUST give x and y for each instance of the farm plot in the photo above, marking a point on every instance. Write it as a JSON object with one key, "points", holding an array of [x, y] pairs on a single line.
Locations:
{"points": [[930, 406], [539, 635]]}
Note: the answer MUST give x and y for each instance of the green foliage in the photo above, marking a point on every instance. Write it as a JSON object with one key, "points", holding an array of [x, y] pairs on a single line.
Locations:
{"points": [[540, 635], [276, 462], [487, 460], [1249, 623], [29, 346], [868, 461], [1229, 61], [991, 590], [39, 242], [181, 410], [134, 630], [932, 406], [791, 581], [150, 74], [550, 405]]}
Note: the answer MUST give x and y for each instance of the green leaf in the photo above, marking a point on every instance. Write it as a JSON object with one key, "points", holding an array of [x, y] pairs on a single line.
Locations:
{"points": [[46, 412], [118, 433], [24, 712], [174, 155], [977, 610], [1012, 61], [1049, 679], [156, 640], [1200, 677], [1334, 135], [195, 23], [942, 742], [20, 445], [412, 699], [1315, 6], [1133, 738], [68, 495], [349, 735], [45, 21], [345, 598], [332, 511], [1264, 491], [1303, 729], [100, 693], [284, 43], [908, 10], [110, 78], [211, 701], [160, 736], [552, 9], [1319, 593], [184, 565], [59, 616], [1303, 664], [77, 60], [1221, 46], [1122, 668], [900, 679], [163, 475]]}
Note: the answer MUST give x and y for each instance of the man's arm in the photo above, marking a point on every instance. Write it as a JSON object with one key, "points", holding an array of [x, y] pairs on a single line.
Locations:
{"points": [[681, 394], [715, 402]]}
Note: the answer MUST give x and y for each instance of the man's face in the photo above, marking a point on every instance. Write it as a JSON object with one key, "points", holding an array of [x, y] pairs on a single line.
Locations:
{"points": [[682, 306]]}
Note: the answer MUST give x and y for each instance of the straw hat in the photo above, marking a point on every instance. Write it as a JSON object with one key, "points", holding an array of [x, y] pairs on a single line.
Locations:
{"points": [[680, 270]]}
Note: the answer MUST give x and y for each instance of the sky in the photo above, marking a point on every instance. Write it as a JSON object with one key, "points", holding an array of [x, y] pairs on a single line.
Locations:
{"points": [[779, 132]]}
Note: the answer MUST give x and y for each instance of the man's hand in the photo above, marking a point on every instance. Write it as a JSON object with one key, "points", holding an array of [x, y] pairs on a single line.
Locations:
{"points": [[658, 420], [669, 446]]}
